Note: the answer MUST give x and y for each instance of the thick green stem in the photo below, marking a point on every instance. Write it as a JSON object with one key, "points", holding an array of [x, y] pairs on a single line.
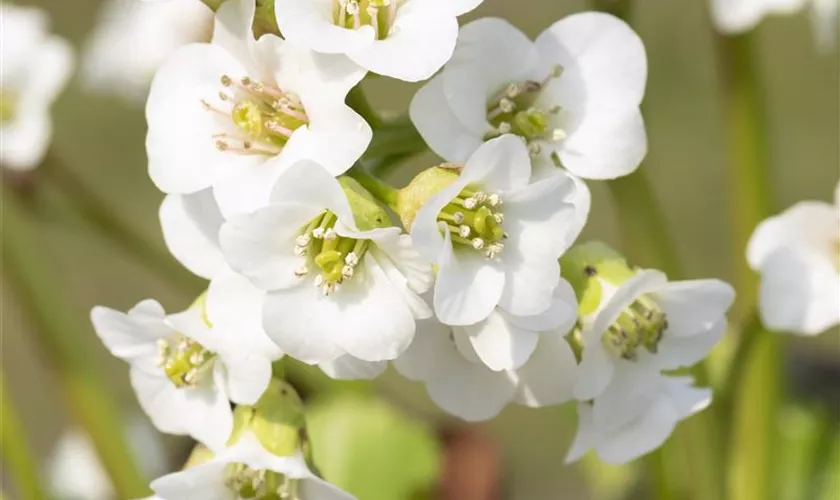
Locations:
{"points": [[18, 456], [357, 99], [754, 433], [62, 340], [381, 191], [99, 215], [398, 137]]}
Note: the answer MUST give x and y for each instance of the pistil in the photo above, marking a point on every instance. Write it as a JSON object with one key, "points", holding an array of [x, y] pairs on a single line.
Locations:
{"points": [[378, 14], [641, 324], [259, 484], [184, 361]]}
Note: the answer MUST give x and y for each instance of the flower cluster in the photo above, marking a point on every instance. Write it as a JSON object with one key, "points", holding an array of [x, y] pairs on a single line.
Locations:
{"points": [[479, 290]]}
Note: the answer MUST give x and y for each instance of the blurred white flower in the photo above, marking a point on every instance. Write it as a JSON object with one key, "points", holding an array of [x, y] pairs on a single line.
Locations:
{"points": [[573, 95], [631, 432], [75, 472], [185, 367], [233, 114], [453, 361], [407, 40], [739, 16], [133, 39], [334, 288], [248, 470], [798, 255], [647, 324], [34, 68], [496, 237]]}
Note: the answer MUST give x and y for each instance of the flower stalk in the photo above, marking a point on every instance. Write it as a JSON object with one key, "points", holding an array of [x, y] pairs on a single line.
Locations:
{"points": [[16, 452], [57, 333], [381, 191]]}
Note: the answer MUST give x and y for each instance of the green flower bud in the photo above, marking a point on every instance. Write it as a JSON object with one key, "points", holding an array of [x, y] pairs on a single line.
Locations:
{"points": [[367, 213], [276, 419], [425, 185], [582, 263]]}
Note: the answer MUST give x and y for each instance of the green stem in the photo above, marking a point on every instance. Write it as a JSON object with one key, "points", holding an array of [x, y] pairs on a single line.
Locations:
{"points": [[381, 191], [754, 434], [357, 99], [17, 455], [62, 341], [99, 215], [398, 137]]}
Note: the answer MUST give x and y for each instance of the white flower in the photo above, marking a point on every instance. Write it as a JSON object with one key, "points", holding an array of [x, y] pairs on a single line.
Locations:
{"points": [[185, 367], [133, 39], [405, 39], [248, 470], [631, 433], [647, 324], [495, 237], [454, 362], [573, 95], [75, 471], [798, 255], [333, 288], [35, 68], [233, 114], [739, 16]]}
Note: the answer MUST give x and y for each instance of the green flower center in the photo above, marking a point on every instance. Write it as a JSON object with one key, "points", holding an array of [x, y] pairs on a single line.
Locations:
{"points": [[184, 361], [474, 220], [378, 14], [641, 324], [8, 105], [264, 116], [253, 484], [335, 257], [514, 110]]}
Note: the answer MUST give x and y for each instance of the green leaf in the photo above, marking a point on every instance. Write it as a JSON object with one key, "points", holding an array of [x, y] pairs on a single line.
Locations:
{"points": [[371, 449]]}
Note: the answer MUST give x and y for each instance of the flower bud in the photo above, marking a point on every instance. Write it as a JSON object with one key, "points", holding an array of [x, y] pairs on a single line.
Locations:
{"points": [[276, 419], [584, 262], [367, 213], [425, 185]]}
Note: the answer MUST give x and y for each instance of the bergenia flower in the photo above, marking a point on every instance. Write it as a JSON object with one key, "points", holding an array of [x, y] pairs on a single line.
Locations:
{"points": [[191, 225], [740, 16], [186, 367], [495, 236], [645, 324], [573, 95], [36, 66], [798, 255], [248, 470], [633, 433], [405, 39], [234, 113], [452, 361], [133, 39], [335, 286]]}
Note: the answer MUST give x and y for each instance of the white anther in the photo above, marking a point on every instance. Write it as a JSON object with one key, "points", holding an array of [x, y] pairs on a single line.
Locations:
{"points": [[458, 217], [513, 90], [352, 7], [470, 203], [197, 358], [534, 148], [302, 271], [319, 280], [504, 128], [499, 217], [351, 259], [494, 199], [330, 234], [558, 134], [480, 197], [302, 240], [478, 243], [506, 105], [464, 231], [327, 289], [300, 251], [347, 272], [318, 233], [222, 145]]}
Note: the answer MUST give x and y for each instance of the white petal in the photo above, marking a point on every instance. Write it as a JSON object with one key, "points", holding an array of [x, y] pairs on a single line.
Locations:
{"points": [[420, 42], [677, 352], [799, 292], [549, 376], [432, 340], [53, 66], [628, 396], [26, 140], [472, 391], [347, 367], [638, 438], [594, 373], [261, 245], [500, 164], [807, 225], [585, 437], [694, 306], [336, 135], [500, 344], [232, 28], [250, 188], [308, 183], [561, 315], [191, 225], [310, 74], [738, 16], [131, 336], [247, 377], [402, 254], [316, 488], [468, 286], [645, 281], [309, 23], [202, 482], [440, 127]]}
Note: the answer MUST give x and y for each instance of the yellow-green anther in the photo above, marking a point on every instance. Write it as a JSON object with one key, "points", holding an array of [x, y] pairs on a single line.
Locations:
{"points": [[247, 117], [184, 361], [378, 14], [641, 324], [473, 220], [531, 124]]}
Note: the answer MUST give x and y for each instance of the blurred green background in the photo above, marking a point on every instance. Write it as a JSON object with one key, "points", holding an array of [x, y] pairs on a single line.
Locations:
{"points": [[101, 138]]}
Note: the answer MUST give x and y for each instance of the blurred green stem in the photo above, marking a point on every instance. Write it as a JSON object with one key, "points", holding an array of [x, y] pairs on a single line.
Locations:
{"points": [[380, 190], [101, 216], [357, 99], [62, 341], [18, 456], [754, 435]]}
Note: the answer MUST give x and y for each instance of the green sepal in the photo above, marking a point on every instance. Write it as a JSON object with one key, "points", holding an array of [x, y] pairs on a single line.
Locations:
{"points": [[424, 185], [582, 263], [367, 213], [276, 419]]}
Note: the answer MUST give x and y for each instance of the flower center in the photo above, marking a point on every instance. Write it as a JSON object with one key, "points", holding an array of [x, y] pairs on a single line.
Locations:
{"points": [[514, 110], [641, 324], [254, 484], [8, 105], [264, 116], [378, 14], [184, 361], [474, 219], [336, 257]]}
